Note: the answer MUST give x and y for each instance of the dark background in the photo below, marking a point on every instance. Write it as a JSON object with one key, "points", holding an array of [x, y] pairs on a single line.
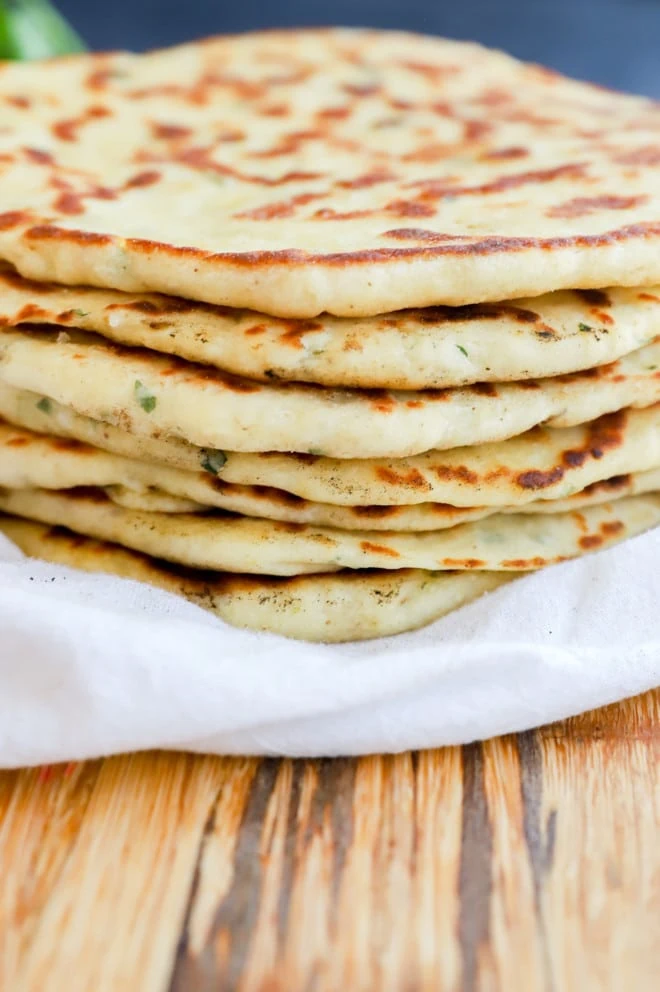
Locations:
{"points": [[614, 42]]}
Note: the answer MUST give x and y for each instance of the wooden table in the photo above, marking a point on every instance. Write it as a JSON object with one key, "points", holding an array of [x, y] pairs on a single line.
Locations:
{"points": [[527, 863]]}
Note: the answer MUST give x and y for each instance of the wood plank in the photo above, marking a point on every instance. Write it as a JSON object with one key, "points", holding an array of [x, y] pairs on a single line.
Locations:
{"points": [[528, 862]]}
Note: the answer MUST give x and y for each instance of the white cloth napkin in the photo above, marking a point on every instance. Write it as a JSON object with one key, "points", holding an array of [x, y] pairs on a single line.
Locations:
{"points": [[91, 665]]}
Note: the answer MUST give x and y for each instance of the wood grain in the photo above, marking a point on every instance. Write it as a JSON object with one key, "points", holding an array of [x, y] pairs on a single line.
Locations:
{"points": [[525, 863]]}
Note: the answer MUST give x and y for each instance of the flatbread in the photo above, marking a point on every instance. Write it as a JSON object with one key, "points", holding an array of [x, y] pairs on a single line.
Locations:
{"points": [[160, 396], [39, 413], [357, 172], [273, 504], [347, 606], [545, 463], [625, 443], [412, 349], [158, 501], [231, 543]]}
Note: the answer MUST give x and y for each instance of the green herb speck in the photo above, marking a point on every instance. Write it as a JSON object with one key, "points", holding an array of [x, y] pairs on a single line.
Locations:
{"points": [[45, 405], [146, 399], [81, 313], [462, 350], [651, 368], [315, 451], [585, 328], [213, 461], [271, 374]]}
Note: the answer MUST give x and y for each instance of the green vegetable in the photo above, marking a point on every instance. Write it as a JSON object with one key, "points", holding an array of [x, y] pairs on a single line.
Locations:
{"points": [[462, 349], [146, 399], [81, 313], [596, 331], [45, 405], [315, 451], [213, 461], [33, 29]]}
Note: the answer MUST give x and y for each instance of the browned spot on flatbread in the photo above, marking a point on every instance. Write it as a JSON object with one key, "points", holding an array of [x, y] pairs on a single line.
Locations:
{"points": [[67, 130], [327, 213], [409, 208], [412, 478], [445, 509], [17, 442], [474, 311], [38, 156], [19, 101], [99, 79], [594, 297], [380, 549], [368, 179], [74, 540], [13, 218], [201, 158], [650, 297], [603, 435], [484, 389], [581, 206], [92, 494], [275, 110], [432, 71], [474, 130], [380, 400], [361, 89], [525, 563], [70, 444], [169, 132], [581, 521], [233, 383], [505, 153], [611, 527], [590, 541], [295, 331], [146, 178], [284, 208], [334, 113], [646, 155], [463, 563], [375, 512], [535, 479], [438, 189], [290, 144], [276, 495], [456, 473], [613, 484], [295, 528], [30, 311], [501, 472], [50, 232]]}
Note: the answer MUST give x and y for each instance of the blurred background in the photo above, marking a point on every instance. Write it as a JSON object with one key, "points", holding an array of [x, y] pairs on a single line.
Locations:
{"points": [[613, 42]]}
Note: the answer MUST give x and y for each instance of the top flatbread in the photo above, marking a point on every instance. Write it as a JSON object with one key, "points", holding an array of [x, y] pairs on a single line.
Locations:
{"points": [[356, 172]]}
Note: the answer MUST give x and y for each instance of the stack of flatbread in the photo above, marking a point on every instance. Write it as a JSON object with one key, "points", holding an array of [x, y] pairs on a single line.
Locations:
{"points": [[330, 331]]}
